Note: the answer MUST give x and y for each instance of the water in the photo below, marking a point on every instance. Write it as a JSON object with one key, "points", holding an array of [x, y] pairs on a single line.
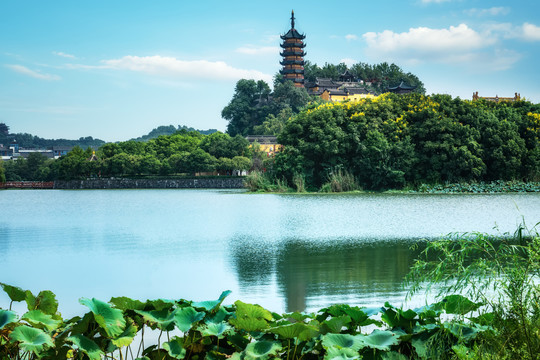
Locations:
{"points": [[285, 252]]}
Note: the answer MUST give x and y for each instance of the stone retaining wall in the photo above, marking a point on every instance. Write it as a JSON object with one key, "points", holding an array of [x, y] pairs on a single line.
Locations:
{"points": [[203, 183]]}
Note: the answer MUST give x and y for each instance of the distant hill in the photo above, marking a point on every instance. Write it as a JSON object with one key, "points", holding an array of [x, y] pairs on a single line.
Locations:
{"points": [[30, 141], [169, 130]]}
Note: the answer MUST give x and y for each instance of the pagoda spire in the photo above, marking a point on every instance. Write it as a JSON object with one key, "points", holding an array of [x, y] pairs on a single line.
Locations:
{"points": [[293, 55]]}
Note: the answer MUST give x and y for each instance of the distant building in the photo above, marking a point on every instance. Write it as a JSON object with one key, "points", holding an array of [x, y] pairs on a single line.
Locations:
{"points": [[267, 143], [25, 153], [293, 55], [61, 150], [347, 89], [517, 97]]}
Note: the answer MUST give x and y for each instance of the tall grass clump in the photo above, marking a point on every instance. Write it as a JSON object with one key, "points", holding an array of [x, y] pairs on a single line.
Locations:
{"points": [[340, 180], [501, 273], [299, 181], [258, 181]]}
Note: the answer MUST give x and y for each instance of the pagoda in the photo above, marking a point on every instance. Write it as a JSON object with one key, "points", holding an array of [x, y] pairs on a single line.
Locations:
{"points": [[293, 55]]}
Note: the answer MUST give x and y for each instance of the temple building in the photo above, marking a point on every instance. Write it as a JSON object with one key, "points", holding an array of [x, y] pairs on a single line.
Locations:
{"points": [[348, 88], [402, 88], [516, 97], [293, 55]]}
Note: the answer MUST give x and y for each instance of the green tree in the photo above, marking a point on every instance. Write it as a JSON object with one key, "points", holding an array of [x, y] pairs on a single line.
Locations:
{"points": [[247, 108], [222, 145], [200, 161], [2, 172], [274, 125]]}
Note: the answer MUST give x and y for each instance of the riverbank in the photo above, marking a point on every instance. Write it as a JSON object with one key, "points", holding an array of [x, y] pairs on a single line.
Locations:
{"points": [[188, 183]]}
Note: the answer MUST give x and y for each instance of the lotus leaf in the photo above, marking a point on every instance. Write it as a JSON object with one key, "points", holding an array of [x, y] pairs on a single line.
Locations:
{"points": [[185, 317], [81, 325], [261, 350], [160, 304], [125, 303], [459, 305], [303, 332], [38, 319], [14, 293], [110, 319], [126, 337], [334, 353], [175, 348], [251, 317], [6, 317], [392, 355], [45, 301], [212, 304], [380, 339], [163, 319], [334, 325], [217, 330], [465, 332], [419, 343], [399, 318], [31, 339], [87, 346], [342, 341], [297, 317], [220, 315]]}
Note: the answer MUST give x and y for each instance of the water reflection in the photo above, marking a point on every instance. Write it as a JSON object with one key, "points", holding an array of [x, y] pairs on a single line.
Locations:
{"points": [[306, 271]]}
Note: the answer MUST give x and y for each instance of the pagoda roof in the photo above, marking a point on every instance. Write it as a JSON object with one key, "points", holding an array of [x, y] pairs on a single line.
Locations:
{"points": [[292, 33]]}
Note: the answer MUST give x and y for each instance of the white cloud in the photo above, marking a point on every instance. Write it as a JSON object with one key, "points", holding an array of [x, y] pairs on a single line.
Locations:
{"points": [[531, 32], [32, 73], [494, 11], [348, 61], [264, 50], [351, 37], [454, 45], [62, 54], [169, 66], [425, 41]]}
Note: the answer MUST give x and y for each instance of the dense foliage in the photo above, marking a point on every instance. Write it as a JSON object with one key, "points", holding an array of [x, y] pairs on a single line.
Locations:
{"points": [[209, 330], [500, 273], [377, 77], [255, 109], [181, 153], [394, 141]]}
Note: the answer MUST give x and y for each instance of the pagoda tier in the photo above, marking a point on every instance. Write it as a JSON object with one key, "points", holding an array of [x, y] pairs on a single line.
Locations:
{"points": [[293, 45], [292, 71], [293, 55], [292, 62]]}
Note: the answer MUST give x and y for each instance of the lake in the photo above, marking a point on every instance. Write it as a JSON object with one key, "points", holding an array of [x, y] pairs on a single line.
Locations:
{"points": [[284, 252]]}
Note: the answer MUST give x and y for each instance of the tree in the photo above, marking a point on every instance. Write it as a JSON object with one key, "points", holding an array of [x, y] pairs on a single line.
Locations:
{"points": [[274, 125], [4, 129], [221, 145], [2, 172], [200, 161], [247, 108]]}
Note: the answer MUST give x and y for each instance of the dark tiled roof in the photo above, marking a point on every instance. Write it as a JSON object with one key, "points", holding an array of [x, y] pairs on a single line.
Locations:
{"points": [[262, 139]]}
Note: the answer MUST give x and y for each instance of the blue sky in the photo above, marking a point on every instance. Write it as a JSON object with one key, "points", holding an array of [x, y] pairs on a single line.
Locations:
{"points": [[115, 70]]}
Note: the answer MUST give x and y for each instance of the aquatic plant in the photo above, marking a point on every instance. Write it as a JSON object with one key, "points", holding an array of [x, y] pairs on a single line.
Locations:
{"points": [[210, 330]]}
